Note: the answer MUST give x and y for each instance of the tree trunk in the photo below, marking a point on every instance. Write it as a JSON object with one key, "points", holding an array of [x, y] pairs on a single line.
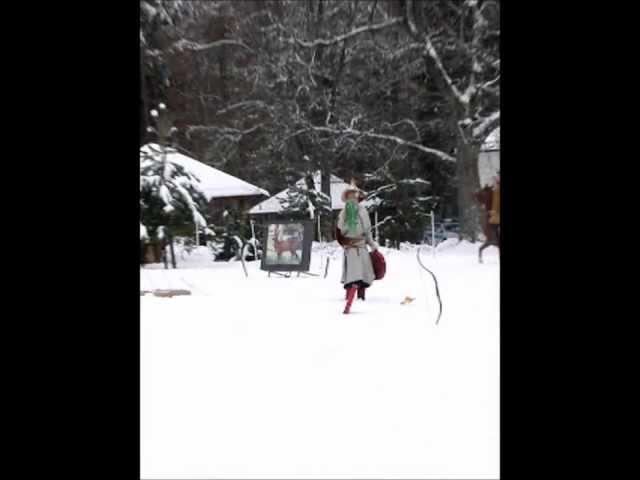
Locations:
{"points": [[468, 183], [326, 222], [173, 253]]}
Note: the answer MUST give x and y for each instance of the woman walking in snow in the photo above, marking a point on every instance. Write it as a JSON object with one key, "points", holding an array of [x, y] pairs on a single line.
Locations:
{"points": [[354, 234]]}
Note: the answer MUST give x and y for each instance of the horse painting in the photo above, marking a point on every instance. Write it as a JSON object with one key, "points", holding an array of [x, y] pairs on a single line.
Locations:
{"points": [[291, 245], [491, 231]]}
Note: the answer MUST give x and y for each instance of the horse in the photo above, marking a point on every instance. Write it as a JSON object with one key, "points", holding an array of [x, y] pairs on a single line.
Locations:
{"points": [[484, 198], [290, 245]]}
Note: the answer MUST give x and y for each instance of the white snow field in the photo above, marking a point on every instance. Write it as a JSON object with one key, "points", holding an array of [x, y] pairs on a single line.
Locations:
{"points": [[266, 378]]}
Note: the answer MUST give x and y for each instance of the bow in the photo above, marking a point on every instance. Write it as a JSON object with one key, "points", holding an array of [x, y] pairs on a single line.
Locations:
{"points": [[435, 280]]}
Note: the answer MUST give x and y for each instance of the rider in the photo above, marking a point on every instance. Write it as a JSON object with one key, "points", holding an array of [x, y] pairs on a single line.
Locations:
{"points": [[494, 213]]}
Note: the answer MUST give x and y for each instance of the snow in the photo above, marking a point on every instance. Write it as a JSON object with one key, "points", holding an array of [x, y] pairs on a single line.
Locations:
{"points": [[265, 377], [154, 113], [213, 182], [274, 205], [488, 166], [310, 209], [165, 195], [489, 158], [415, 181], [143, 232], [492, 142], [479, 130]]}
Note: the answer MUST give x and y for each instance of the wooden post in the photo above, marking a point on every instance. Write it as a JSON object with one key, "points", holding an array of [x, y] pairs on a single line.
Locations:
{"points": [[433, 234], [244, 266], [164, 255], [173, 254], [375, 216]]}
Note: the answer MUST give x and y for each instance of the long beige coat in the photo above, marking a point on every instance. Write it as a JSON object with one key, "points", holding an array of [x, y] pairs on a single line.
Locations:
{"points": [[356, 264]]}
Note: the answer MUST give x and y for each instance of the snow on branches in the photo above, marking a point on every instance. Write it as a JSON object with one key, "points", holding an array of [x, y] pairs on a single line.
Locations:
{"points": [[301, 199], [341, 38], [170, 182], [471, 99], [381, 136]]}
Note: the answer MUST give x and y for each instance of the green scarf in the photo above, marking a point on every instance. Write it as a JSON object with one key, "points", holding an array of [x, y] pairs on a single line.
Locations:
{"points": [[351, 215]]}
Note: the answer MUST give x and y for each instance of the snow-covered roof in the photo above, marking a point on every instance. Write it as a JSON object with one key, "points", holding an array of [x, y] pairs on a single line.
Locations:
{"points": [[273, 205], [213, 182], [492, 142], [489, 158]]}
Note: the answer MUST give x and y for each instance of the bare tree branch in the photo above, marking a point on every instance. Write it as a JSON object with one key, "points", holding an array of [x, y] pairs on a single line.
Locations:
{"points": [[247, 103], [232, 133], [350, 131], [430, 51], [200, 47], [344, 36], [488, 85], [407, 121], [409, 48], [383, 221], [486, 124]]}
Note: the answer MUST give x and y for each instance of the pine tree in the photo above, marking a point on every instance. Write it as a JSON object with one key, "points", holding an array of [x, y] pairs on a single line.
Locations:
{"points": [[304, 199], [169, 194]]}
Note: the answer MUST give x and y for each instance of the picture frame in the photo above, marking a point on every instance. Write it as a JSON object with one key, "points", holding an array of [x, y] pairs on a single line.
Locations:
{"points": [[287, 246]]}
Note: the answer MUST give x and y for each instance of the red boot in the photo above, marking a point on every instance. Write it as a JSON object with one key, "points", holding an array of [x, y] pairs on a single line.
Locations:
{"points": [[351, 293]]}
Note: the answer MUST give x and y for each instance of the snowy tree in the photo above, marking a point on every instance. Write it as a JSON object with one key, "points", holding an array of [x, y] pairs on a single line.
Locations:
{"points": [[461, 46], [169, 193], [171, 184], [263, 90], [458, 46], [403, 205], [304, 198]]}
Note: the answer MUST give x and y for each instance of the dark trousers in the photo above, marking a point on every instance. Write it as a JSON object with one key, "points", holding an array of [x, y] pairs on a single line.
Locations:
{"points": [[359, 284]]}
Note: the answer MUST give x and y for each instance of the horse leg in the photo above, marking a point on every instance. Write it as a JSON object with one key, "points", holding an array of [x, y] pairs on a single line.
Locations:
{"points": [[482, 247]]}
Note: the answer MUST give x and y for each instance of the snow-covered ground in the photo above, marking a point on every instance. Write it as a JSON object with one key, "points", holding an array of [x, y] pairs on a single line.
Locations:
{"points": [[266, 378]]}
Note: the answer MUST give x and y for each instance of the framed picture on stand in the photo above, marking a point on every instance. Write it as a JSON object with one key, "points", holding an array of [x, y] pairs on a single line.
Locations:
{"points": [[288, 246]]}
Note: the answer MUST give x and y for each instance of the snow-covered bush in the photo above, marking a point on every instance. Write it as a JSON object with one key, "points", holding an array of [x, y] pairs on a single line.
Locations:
{"points": [[233, 247]]}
